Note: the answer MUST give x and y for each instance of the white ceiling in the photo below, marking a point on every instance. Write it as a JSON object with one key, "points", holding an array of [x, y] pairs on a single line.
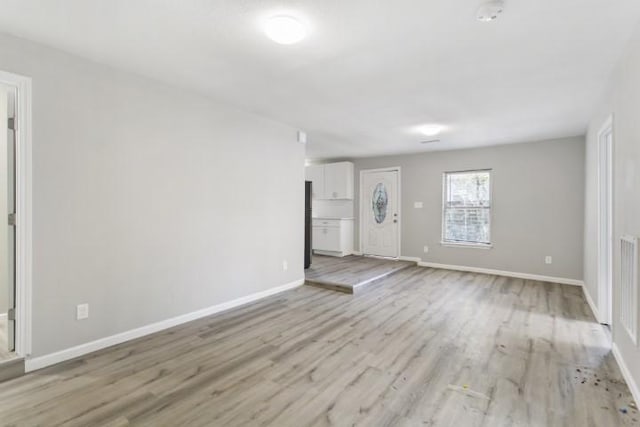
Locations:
{"points": [[370, 70]]}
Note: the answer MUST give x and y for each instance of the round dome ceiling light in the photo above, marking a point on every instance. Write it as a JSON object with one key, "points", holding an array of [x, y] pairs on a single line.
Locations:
{"points": [[285, 29], [430, 129], [490, 10]]}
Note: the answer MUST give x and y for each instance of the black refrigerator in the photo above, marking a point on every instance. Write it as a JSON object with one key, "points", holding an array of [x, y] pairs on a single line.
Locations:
{"points": [[307, 224]]}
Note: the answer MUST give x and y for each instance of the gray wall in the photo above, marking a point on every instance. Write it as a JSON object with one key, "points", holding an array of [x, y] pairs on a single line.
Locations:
{"points": [[623, 101], [538, 201], [149, 201]]}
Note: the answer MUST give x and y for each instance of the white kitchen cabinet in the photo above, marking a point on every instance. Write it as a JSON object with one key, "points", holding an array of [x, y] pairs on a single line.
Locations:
{"points": [[332, 237], [332, 181], [315, 174], [338, 180]]}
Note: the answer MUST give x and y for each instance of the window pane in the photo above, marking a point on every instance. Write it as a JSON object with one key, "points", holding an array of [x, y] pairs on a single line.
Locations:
{"points": [[468, 189], [467, 225]]}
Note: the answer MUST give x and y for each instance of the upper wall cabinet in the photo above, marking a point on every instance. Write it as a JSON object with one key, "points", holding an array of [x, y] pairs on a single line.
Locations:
{"points": [[338, 180], [333, 181]]}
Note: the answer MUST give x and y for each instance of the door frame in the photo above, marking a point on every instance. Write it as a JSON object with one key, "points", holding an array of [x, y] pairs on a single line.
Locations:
{"points": [[605, 227], [23, 193], [361, 204]]}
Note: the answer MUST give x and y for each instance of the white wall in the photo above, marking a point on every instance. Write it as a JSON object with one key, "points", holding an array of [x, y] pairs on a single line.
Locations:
{"points": [[538, 202], [149, 201], [623, 101]]}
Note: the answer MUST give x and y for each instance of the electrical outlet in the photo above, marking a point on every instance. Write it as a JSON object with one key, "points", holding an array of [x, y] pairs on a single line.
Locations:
{"points": [[82, 311], [418, 205], [285, 265], [426, 249], [548, 259]]}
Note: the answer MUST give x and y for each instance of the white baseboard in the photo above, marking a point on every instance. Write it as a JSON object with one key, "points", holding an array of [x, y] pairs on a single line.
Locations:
{"points": [[32, 364], [400, 258], [517, 275], [635, 392], [527, 276], [409, 258], [592, 305], [337, 254]]}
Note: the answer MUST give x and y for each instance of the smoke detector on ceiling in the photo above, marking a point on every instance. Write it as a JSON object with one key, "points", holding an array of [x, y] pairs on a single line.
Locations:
{"points": [[490, 10]]}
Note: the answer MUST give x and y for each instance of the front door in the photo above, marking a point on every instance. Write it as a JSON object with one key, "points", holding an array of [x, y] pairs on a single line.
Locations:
{"points": [[379, 213]]}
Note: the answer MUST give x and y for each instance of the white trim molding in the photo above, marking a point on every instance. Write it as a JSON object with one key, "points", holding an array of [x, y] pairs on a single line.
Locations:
{"points": [[592, 305], [32, 364], [527, 276], [467, 245], [604, 265], [23, 192], [626, 373], [444, 207]]}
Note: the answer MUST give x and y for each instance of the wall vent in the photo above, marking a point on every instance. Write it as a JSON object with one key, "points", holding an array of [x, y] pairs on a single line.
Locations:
{"points": [[628, 292]]}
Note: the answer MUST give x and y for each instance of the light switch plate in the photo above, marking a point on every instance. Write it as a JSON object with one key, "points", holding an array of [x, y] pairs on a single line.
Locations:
{"points": [[418, 205], [548, 259], [82, 311]]}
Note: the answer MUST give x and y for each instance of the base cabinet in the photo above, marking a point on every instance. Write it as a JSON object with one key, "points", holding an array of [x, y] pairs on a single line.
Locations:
{"points": [[333, 237]]}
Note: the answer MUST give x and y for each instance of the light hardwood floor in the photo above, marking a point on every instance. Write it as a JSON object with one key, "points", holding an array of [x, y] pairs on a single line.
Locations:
{"points": [[423, 347], [350, 274], [4, 345]]}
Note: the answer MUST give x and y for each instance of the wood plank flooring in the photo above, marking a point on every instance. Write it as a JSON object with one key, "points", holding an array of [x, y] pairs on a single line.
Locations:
{"points": [[11, 368], [350, 274], [423, 347], [4, 345]]}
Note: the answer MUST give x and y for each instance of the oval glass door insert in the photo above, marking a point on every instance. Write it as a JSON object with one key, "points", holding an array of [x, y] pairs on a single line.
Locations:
{"points": [[379, 203]]}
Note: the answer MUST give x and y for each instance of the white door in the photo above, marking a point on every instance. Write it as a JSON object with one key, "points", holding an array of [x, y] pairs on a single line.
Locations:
{"points": [[7, 209], [605, 223], [11, 212], [379, 214]]}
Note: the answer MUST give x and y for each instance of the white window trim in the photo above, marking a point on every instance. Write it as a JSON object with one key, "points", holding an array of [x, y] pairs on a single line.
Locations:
{"points": [[470, 245], [605, 265]]}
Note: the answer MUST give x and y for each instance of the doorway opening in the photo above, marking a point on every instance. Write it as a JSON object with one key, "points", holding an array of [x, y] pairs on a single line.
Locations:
{"points": [[605, 222], [380, 212], [15, 219], [7, 229]]}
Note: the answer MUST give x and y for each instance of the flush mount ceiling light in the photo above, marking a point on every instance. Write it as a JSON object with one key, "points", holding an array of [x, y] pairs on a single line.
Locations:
{"points": [[430, 129], [490, 10], [285, 29]]}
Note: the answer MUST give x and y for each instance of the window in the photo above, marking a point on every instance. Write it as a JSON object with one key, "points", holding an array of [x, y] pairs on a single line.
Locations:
{"points": [[466, 214]]}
